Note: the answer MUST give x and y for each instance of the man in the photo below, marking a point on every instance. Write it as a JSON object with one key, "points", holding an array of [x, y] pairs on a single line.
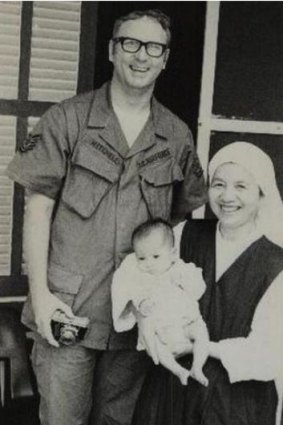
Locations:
{"points": [[95, 167]]}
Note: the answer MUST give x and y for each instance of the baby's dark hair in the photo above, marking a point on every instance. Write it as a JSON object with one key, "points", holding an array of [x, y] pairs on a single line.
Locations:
{"points": [[145, 229]]}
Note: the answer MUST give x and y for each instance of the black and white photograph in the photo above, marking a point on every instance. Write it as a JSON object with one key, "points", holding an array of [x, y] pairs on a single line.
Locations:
{"points": [[141, 212]]}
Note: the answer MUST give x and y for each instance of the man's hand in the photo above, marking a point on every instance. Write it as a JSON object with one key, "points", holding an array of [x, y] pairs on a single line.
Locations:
{"points": [[44, 307]]}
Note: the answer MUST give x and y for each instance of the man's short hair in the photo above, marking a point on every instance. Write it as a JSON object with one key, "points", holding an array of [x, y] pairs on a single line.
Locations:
{"points": [[154, 14], [146, 228]]}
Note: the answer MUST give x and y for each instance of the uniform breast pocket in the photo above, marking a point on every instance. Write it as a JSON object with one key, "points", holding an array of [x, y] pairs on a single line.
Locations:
{"points": [[157, 185], [89, 179]]}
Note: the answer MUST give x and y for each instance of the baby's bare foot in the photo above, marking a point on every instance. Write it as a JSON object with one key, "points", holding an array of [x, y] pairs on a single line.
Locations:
{"points": [[199, 376], [184, 376]]}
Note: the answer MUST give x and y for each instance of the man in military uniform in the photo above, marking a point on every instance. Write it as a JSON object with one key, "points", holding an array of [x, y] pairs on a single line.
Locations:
{"points": [[95, 167]]}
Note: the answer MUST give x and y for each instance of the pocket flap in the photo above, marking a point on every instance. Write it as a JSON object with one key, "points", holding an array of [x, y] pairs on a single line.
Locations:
{"points": [[90, 178], [163, 175], [64, 281], [89, 159]]}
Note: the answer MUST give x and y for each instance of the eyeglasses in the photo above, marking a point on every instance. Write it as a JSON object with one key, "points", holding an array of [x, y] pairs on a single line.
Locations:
{"points": [[132, 45]]}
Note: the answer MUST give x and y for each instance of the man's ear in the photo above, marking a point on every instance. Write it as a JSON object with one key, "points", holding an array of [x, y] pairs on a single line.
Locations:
{"points": [[165, 58], [111, 48]]}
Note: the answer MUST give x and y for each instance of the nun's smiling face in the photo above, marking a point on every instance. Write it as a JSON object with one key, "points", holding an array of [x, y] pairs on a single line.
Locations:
{"points": [[234, 196]]}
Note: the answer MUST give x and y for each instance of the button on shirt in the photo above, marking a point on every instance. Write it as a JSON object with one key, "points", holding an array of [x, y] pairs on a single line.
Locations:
{"points": [[103, 190]]}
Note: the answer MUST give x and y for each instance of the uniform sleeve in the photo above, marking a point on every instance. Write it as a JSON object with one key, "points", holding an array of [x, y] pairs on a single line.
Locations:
{"points": [[122, 292], [192, 192], [259, 356], [40, 162]]}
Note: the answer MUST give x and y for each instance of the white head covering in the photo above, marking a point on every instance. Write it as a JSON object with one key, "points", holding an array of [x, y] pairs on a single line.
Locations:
{"points": [[259, 164]]}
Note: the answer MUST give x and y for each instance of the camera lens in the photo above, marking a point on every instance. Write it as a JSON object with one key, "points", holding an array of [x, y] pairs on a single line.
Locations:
{"points": [[68, 338], [68, 335]]}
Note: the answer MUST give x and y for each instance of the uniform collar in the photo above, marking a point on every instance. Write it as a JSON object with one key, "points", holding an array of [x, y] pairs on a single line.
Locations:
{"points": [[160, 120], [101, 113], [101, 109]]}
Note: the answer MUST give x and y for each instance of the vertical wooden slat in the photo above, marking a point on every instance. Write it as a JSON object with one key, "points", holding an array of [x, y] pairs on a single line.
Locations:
{"points": [[86, 76], [23, 89], [26, 29]]}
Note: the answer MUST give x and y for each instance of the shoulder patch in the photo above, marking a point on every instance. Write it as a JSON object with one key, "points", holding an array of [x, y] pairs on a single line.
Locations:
{"points": [[29, 143]]}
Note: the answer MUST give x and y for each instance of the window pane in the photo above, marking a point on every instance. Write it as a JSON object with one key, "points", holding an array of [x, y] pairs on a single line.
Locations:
{"points": [[54, 50], [10, 26], [249, 78]]}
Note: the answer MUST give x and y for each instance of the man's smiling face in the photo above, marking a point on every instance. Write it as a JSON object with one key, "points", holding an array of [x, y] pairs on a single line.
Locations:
{"points": [[138, 70]]}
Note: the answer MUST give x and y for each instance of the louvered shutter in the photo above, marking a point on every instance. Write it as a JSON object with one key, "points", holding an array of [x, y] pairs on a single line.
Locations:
{"points": [[54, 50], [7, 148], [10, 25]]}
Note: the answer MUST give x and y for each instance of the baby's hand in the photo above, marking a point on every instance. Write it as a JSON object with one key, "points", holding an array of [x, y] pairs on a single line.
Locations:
{"points": [[146, 307]]}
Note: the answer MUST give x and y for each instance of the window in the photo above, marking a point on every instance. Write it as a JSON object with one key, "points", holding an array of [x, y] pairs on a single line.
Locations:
{"points": [[242, 90]]}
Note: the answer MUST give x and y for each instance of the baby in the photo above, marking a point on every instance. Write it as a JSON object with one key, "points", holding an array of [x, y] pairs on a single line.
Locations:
{"points": [[164, 290]]}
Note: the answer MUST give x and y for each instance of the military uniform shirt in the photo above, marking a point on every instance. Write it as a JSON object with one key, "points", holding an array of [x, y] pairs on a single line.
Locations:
{"points": [[78, 156]]}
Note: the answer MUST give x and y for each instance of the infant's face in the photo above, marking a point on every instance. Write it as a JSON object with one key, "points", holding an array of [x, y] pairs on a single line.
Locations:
{"points": [[154, 254]]}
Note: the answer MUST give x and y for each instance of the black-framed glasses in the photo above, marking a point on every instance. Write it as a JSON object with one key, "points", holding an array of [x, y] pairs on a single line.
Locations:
{"points": [[132, 45]]}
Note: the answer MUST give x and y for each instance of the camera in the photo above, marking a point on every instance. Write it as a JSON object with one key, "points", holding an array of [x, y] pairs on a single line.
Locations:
{"points": [[67, 330]]}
